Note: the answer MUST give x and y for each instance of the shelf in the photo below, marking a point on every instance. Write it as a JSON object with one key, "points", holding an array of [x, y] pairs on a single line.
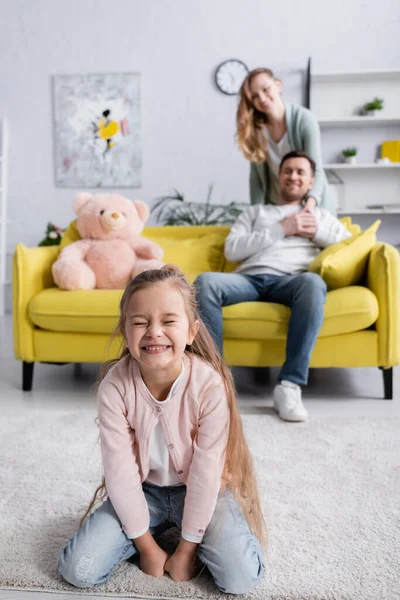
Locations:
{"points": [[358, 120], [370, 211], [346, 166], [356, 76]]}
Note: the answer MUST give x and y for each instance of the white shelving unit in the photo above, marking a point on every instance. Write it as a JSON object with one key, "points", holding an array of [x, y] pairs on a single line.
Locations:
{"points": [[364, 121], [336, 99], [346, 166], [382, 210], [357, 76], [3, 211]]}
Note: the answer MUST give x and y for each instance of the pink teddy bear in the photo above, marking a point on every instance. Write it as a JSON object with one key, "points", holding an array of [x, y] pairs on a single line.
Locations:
{"points": [[111, 251]]}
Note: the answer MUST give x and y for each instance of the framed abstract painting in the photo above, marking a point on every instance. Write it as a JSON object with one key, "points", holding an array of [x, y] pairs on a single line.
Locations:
{"points": [[97, 138]]}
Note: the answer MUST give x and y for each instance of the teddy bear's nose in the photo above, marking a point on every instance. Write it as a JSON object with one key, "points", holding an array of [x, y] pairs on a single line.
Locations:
{"points": [[115, 215]]}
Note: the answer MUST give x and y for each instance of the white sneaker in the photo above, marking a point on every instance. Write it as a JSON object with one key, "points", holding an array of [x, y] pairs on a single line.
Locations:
{"points": [[287, 402]]}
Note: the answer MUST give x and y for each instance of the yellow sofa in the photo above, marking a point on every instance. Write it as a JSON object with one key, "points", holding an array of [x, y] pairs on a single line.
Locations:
{"points": [[361, 326]]}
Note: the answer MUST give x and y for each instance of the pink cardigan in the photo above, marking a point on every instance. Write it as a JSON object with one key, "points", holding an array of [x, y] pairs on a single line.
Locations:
{"points": [[127, 417]]}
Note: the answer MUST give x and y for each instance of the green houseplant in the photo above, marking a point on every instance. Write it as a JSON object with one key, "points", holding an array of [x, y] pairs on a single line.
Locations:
{"points": [[53, 235], [350, 155], [373, 107], [173, 209]]}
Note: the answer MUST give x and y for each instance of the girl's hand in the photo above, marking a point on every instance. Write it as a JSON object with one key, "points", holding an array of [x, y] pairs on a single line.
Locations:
{"points": [[310, 205], [152, 557], [153, 562], [181, 566]]}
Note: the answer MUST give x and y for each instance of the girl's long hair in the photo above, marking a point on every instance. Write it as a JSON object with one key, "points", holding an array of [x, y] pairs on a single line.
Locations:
{"points": [[238, 470], [250, 122]]}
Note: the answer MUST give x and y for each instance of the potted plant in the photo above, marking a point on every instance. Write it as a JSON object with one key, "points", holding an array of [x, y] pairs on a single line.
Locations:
{"points": [[350, 155], [373, 108], [173, 209], [53, 235]]}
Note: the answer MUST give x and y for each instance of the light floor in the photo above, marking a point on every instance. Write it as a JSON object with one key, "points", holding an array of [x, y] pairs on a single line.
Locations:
{"points": [[331, 392]]}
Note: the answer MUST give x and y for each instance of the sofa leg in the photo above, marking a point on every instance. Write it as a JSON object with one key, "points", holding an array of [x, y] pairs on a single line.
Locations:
{"points": [[27, 375], [387, 382]]}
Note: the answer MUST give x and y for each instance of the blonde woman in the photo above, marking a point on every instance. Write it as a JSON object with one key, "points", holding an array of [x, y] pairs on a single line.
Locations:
{"points": [[267, 129]]}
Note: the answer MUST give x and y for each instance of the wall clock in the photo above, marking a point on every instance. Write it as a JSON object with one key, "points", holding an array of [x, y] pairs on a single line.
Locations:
{"points": [[229, 76]]}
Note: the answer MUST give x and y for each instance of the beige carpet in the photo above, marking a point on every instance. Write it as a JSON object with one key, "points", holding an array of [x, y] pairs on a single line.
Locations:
{"points": [[330, 489]]}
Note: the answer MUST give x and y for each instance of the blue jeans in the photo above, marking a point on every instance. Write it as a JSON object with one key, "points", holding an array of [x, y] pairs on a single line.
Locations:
{"points": [[304, 293], [229, 550]]}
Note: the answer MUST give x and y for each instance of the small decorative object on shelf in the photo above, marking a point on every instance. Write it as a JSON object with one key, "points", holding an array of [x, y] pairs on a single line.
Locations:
{"points": [[174, 210], [372, 108], [350, 155], [53, 235], [383, 161], [391, 150]]}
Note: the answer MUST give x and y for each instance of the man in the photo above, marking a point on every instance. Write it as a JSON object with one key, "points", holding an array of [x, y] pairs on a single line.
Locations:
{"points": [[275, 244]]}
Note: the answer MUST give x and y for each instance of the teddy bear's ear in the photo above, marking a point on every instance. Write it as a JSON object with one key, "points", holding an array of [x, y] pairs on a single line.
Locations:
{"points": [[143, 210], [80, 200]]}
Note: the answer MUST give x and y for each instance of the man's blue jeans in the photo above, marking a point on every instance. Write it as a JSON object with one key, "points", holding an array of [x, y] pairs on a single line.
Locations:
{"points": [[304, 293], [229, 550]]}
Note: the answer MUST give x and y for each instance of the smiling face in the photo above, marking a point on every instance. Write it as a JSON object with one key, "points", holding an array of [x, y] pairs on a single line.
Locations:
{"points": [[295, 180], [265, 93], [157, 329]]}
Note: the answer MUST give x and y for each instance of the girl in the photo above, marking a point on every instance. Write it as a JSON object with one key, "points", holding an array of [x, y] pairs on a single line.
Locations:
{"points": [[267, 129], [173, 451]]}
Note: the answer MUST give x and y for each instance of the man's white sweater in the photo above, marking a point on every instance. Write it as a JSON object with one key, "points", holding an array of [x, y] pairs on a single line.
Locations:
{"points": [[258, 242]]}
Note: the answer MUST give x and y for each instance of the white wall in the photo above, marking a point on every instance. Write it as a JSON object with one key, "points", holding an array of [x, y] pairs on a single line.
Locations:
{"points": [[187, 125]]}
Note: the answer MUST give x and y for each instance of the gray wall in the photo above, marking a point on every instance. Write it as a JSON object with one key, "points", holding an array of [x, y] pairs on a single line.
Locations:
{"points": [[187, 125]]}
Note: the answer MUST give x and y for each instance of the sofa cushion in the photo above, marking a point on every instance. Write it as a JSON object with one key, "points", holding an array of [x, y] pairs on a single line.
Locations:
{"points": [[344, 263], [93, 311], [346, 310]]}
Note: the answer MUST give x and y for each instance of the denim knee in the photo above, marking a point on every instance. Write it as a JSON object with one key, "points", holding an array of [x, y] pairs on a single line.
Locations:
{"points": [[204, 281], [314, 281], [77, 570], [314, 286], [231, 552], [243, 577]]}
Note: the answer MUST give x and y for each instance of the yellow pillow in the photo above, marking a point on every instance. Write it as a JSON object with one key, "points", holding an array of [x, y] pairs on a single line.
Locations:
{"points": [[194, 255], [343, 264], [352, 227], [71, 234]]}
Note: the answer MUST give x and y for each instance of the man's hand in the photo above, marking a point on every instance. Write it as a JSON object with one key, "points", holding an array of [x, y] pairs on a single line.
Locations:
{"points": [[310, 205], [181, 566], [152, 557], [302, 224]]}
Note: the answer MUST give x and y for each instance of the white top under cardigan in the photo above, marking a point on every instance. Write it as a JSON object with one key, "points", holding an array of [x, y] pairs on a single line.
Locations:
{"points": [[162, 472], [276, 151]]}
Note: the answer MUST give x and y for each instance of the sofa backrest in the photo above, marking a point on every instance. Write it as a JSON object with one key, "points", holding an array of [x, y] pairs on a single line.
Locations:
{"points": [[194, 248]]}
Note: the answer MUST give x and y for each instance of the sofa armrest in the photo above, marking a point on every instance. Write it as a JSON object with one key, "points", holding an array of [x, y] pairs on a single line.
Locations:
{"points": [[31, 274], [383, 278]]}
